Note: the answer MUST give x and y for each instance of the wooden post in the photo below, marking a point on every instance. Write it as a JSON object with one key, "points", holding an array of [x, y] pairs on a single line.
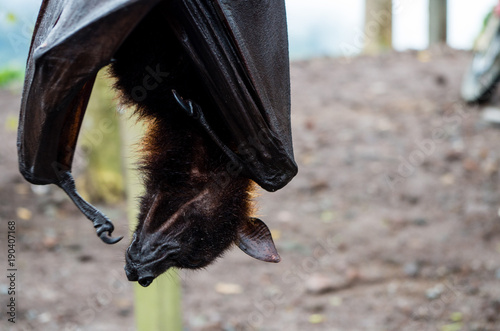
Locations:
{"points": [[102, 180], [437, 21], [378, 26], [157, 307]]}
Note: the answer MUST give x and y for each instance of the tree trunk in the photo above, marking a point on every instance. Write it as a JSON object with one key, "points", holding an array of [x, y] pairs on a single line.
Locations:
{"points": [[102, 179], [378, 26], [437, 21]]}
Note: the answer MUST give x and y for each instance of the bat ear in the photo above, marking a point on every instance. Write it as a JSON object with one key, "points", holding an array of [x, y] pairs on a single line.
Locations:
{"points": [[254, 238]]}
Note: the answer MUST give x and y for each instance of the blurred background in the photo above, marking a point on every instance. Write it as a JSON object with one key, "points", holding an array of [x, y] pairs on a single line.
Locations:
{"points": [[391, 224]]}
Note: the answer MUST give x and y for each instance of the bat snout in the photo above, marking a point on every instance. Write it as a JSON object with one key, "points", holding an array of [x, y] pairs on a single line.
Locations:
{"points": [[146, 280], [131, 273]]}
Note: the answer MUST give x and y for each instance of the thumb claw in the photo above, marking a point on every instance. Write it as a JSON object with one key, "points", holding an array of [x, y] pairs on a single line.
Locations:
{"points": [[180, 100], [104, 232], [108, 239], [187, 105]]}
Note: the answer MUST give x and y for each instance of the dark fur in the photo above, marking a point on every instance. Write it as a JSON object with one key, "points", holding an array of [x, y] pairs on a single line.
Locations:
{"points": [[180, 161]]}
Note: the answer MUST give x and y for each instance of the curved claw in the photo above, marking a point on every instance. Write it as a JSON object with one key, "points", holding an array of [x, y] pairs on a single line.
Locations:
{"points": [[104, 232], [187, 105], [108, 239]]}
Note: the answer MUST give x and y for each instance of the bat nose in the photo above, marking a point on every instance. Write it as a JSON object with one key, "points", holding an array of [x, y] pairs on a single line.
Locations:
{"points": [[146, 281], [131, 274]]}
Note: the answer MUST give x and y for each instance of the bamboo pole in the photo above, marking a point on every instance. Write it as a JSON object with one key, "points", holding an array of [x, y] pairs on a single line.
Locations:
{"points": [[157, 307]]}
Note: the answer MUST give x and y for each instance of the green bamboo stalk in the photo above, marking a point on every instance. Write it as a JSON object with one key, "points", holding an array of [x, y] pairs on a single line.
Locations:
{"points": [[157, 307]]}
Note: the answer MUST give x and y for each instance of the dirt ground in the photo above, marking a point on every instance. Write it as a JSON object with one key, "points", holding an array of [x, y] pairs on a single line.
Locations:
{"points": [[391, 224]]}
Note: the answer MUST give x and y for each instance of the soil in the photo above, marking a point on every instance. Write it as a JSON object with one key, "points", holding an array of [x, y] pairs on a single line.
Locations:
{"points": [[391, 224]]}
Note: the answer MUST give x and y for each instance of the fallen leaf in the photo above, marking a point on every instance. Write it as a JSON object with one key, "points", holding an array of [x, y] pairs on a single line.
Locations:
{"points": [[228, 288], [452, 327], [456, 316], [22, 189], [424, 56], [50, 242], [316, 318], [23, 213], [447, 180], [327, 216], [336, 301]]}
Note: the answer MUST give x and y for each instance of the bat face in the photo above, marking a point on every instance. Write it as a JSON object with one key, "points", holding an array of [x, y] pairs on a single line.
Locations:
{"points": [[197, 233], [210, 77], [188, 216], [192, 237]]}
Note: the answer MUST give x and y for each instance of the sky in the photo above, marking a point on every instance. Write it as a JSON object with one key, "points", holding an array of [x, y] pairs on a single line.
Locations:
{"points": [[316, 27]]}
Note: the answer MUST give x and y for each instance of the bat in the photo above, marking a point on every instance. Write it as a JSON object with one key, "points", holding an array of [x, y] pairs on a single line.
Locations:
{"points": [[211, 79]]}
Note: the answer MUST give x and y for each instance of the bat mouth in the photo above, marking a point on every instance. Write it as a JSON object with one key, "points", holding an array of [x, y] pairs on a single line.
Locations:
{"points": [[145, 268], [145, 281], [143, 277]]}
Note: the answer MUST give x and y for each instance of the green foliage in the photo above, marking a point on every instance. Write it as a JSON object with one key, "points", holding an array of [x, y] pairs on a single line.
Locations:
{"points": [[10, 76], [11, 18], [486, 19]]}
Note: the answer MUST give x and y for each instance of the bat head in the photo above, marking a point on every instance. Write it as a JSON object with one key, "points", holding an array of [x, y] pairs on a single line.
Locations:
{"points": [[192, 237]]}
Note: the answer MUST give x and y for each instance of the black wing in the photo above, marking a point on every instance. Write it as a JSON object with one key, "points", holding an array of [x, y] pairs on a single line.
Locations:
{"points": [[238, 47]]}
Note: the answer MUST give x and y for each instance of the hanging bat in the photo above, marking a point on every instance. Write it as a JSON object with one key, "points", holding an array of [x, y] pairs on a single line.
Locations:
{"points": [[210, 77]]}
